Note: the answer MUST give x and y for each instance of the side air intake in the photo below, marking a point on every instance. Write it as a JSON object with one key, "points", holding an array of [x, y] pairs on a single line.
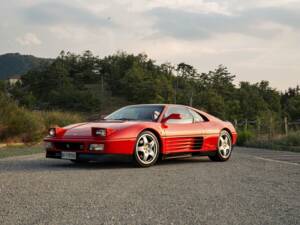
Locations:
{"points": [[198, 143]]}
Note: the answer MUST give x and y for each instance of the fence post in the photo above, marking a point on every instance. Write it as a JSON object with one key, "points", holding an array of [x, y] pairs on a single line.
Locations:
{"points": [[235, 123], [246, 124], [286, 127], [271, 127], [258, 124]]}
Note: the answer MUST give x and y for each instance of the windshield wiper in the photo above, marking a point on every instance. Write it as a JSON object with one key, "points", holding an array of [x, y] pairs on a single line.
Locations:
{"points": [[123, 118]]}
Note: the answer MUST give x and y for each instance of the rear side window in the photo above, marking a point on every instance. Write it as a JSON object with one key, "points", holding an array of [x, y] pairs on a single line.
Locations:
{"points": [[184, 112], [197, 117]]}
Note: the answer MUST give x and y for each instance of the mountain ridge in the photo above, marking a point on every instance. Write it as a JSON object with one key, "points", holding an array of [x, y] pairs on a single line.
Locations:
{"points": [[16, 64]]}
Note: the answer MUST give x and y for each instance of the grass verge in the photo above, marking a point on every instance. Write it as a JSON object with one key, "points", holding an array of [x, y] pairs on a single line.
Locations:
{"points": [[290, 142], [272, 146], [20, 150]]}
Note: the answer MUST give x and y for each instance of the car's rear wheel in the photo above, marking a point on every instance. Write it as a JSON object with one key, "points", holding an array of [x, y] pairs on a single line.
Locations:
{"points": [[146, 149], [224, 147]]}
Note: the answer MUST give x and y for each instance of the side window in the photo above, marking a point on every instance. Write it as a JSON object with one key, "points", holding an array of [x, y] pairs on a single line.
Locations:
{"points": [[197, 116], [185, 114]]}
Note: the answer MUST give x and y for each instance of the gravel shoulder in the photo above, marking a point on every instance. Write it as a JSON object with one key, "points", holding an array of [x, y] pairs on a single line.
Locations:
{"points": [[248, 189], [20, 150]]}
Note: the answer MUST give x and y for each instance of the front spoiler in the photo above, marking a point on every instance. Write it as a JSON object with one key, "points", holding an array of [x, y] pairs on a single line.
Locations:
{"points": [[89, 156]]}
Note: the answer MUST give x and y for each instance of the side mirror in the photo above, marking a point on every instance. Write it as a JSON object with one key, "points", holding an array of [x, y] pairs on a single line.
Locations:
{"points": [[173, 116]]}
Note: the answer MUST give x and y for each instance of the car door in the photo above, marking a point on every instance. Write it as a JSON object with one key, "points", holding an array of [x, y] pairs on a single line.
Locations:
{"points": [[185, 134]]}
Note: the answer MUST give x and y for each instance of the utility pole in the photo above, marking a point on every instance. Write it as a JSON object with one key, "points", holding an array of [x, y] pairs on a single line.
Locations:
{"points": [[176, 87], [97, 71], [286, 126], [191, 99]]}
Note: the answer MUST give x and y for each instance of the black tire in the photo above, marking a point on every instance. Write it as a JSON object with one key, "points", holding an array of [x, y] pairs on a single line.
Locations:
{"points": [[79, 161], [139, 154], [222, 154]]}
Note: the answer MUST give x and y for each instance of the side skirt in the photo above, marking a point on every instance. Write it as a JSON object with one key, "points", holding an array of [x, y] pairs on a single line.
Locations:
{"points": [[187, 155]]}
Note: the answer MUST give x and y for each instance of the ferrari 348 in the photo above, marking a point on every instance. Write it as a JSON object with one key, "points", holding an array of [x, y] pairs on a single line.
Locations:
{"points": [[145, 132]]}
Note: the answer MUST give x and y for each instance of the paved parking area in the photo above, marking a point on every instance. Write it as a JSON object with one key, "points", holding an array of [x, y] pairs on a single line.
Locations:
{"points": [[281, 156], [253, 187]]}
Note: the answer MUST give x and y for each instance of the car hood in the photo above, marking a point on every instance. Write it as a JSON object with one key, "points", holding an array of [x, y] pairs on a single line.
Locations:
{"points": [[85, 129]]}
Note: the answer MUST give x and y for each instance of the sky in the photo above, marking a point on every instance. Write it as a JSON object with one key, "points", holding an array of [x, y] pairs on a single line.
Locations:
{"points": [[256, 39]]}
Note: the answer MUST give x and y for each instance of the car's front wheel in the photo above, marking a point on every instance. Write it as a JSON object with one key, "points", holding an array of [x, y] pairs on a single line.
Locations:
{"points": [[224, 147], [146, 149]]}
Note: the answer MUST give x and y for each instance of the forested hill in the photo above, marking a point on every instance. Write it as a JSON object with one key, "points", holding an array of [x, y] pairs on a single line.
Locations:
{"points": [[16, 64], [92, 84]]}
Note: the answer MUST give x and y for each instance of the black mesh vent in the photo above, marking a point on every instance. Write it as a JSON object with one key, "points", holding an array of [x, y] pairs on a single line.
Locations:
{"points": [[198, 142], [71, 146]]}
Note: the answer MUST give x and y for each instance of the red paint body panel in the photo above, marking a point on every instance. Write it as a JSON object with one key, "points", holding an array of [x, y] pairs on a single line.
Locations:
{"points": [[174, 138]]}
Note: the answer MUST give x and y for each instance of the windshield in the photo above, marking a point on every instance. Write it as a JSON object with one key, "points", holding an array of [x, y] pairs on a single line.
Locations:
{"points": [[143, 113]]}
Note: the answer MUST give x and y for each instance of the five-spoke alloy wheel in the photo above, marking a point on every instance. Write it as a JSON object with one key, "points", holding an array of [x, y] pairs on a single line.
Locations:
{"points": [[146, 149], [224, 147]]}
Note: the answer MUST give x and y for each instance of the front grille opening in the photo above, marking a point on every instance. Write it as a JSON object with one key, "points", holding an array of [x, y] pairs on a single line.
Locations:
{"points": [[69, 146]]}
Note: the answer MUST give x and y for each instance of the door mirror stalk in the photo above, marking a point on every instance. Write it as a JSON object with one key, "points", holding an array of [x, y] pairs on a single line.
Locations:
{"points": [[173, 116]]}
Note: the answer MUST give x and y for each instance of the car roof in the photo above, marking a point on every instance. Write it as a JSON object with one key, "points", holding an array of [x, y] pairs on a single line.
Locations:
{"points": [[159, 104], [209, 116]]}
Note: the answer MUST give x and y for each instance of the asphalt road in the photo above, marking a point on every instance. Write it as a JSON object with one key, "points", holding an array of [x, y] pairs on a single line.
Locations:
{"points": [[254, 187]]}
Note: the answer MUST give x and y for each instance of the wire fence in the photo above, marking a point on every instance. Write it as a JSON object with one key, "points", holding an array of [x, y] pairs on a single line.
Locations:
{"points": [[270, 126]]}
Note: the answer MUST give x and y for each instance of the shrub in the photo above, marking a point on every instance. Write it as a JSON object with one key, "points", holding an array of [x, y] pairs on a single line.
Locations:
{"points": [[17, 123], [293, 139], [244, 136], [25, 126], [22, 125], [284, 143], [57, 118]]}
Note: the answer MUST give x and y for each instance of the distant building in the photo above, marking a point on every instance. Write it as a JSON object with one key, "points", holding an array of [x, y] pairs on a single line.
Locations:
{"points": [[12, 80]]}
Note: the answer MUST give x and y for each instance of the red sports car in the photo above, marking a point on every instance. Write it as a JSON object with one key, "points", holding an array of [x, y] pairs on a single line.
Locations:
{"points": [[145, 132]]}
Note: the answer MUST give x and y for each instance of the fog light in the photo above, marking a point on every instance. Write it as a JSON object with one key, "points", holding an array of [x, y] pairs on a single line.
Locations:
{"points": [[48, 145], [96, 147], [52, 132]]}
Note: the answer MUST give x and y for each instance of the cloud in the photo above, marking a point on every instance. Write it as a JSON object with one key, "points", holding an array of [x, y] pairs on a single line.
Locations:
{"points": [[255, 39], [190, 6], [28, 39], [191, 25], [51, 13]]}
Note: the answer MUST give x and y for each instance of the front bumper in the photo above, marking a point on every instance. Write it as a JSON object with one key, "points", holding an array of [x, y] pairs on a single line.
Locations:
{"points": [[82, 147]]}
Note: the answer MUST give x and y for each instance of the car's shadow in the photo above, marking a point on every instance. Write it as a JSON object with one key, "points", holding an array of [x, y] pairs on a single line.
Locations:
{"points": [[105, 164]]}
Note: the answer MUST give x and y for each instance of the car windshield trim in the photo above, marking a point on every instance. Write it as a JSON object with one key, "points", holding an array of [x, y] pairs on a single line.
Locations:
{"points": [[149, 113], [123, 119]]}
